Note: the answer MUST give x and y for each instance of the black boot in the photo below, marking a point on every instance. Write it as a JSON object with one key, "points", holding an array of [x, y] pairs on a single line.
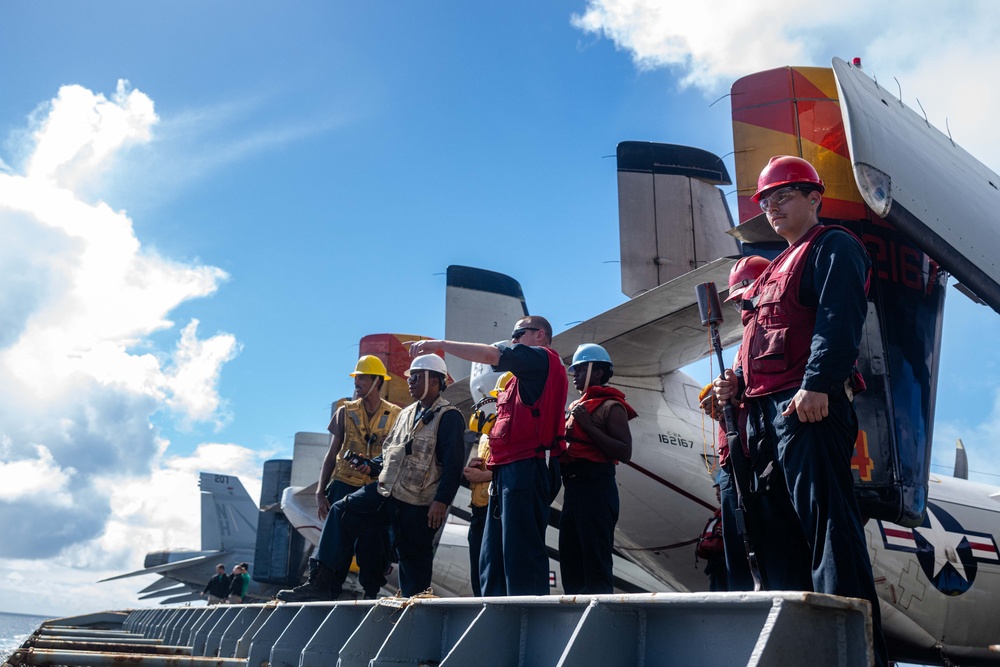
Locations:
{"points": [[316, 588]]}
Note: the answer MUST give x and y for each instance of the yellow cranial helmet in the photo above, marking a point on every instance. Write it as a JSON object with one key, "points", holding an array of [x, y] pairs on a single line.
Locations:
{"points": [[370, 365], [502, 382]]}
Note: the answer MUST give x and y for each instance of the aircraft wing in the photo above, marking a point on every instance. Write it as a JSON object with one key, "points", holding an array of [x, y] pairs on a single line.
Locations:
{"points": [[934, 192], [175, 565], [158, 585], [660, 330], [298, 504]]}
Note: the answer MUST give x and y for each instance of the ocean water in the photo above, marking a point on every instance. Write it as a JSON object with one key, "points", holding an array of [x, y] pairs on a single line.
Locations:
{"points": [[14, 629]]}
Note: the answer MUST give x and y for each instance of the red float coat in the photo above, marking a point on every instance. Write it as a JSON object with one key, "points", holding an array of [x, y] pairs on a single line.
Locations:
{"points": [[581, 447], [710, 543], [741, 424], [778, 332], [527, 431]]}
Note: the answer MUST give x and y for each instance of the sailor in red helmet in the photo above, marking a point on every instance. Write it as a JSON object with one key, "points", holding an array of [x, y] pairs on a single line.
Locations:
{"points": [[774, 507], [803, 320]]}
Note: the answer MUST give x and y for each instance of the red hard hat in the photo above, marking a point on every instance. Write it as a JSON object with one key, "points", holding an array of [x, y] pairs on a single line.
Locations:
{"points": [[744, 273], [786, 170]]}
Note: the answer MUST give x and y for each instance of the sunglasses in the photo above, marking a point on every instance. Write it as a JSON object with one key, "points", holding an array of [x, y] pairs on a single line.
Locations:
{"points": [[520, 331], [777, 198]]}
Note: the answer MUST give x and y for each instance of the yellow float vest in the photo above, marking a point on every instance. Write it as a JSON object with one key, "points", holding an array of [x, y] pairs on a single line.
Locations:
{"points": [[364, 436], [481, 490]]}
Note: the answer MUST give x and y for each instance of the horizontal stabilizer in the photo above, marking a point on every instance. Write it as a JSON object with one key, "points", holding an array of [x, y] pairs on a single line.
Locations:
{"points": [[659, 331], [213, 557], [180, 599], [176, 589], [158, 585]]}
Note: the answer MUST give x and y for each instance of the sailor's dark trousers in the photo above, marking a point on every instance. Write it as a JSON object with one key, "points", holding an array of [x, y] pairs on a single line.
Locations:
{"points": [[371, 548], [514, 559], [366, 511], [815, 461], [587, 527]]}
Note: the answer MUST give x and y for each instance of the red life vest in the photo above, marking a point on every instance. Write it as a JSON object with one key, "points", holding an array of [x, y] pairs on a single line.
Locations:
{"points": [[581, 446], [710, 543], [741, 416], [527, 431], [777, 334]]}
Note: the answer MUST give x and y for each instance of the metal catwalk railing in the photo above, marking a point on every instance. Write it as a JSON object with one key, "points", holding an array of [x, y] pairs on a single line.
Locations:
{"points": [[725, 629]]}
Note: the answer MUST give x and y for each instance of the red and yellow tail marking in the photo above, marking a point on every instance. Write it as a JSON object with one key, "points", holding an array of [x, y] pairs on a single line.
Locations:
{"points": [[793, 111], [396, 357]]}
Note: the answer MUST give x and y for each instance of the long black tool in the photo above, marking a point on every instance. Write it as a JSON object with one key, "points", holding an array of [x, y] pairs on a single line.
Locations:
{"points": [[747, 520]]}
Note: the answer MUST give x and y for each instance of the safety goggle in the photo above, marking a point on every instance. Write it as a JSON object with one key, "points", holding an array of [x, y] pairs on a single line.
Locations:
{"points": [[520, 331], [777, 198]]}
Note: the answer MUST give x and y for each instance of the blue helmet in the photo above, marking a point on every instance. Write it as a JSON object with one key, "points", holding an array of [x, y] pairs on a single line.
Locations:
{"points": [[590, 352]]}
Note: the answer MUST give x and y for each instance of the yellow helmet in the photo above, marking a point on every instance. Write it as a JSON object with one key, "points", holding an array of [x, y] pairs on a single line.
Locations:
{"points": [[501, 383], [370, 365]]}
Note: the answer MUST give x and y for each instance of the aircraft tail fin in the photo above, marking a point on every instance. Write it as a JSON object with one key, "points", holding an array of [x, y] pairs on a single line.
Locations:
{"points": [[961, 460], [480, 307], [672, 216], [228, 514]]}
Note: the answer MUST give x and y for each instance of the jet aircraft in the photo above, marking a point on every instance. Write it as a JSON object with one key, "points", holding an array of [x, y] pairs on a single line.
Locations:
{"points": [[228, 536]]}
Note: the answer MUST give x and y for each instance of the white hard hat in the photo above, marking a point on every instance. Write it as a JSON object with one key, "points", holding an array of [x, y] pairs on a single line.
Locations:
{"points": [[427, 362]]}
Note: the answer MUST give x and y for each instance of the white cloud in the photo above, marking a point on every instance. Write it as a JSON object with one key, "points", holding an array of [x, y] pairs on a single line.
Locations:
{"points": [[707, 44], [195, 374], [939, 54], [80, 376], [147, 513], [39, 477], [79, 131]]}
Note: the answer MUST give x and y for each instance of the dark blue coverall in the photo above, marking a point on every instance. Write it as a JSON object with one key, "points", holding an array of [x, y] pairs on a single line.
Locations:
{"points": [[814, 458]]}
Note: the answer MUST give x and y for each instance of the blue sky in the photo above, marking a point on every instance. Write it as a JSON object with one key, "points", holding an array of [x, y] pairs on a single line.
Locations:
{"points": [[192, 256]]}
